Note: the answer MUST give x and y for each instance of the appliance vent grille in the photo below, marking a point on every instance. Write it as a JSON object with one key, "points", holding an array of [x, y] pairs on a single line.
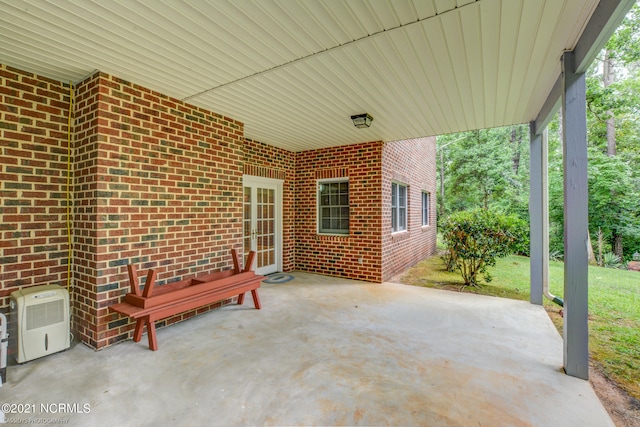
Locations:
{"points": [[45, 314]]}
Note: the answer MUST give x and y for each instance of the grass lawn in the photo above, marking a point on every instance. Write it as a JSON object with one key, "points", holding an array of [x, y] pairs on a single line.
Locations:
{"points": [[614, 307]]}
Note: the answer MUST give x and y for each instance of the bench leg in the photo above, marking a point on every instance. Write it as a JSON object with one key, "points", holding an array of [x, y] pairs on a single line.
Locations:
{"points": [[151, 334], [137, 333], [241, 299], [256, 299]]}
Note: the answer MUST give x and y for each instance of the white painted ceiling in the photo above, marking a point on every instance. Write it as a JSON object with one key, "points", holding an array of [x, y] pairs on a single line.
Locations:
{"points": [[294, 71]]}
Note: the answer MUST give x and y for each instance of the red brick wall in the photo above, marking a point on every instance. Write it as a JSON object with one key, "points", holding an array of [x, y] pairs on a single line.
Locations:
{"points": [[267, 161], [168, 195], [340, 255], [157, 183], [33, 181], [86, 246], [370, 168], [411, 162]]}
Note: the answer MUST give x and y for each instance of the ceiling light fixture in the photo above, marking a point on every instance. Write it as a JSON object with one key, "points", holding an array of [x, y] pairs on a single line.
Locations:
{"points": [[362, 121]]}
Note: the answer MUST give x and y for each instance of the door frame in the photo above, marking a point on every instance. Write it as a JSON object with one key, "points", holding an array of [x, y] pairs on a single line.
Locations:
{"points": [[252, 180]]}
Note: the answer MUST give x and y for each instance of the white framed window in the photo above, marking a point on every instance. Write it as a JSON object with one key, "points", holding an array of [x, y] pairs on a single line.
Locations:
{"points": [[425, 208], [398, 207], [333, 206]]}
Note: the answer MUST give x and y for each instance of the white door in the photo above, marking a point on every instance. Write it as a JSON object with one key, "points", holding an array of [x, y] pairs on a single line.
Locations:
{"points": [[262, 223]]}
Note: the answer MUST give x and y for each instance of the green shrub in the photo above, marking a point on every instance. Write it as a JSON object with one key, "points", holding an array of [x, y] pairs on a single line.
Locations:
{"points": [[449, 259], [520, 229], [476, 238], [611, 260], [556, 256]]}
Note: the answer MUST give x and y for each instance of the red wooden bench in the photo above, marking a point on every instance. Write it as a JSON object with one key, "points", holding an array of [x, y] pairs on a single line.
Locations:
{"points": [[155, 303]]}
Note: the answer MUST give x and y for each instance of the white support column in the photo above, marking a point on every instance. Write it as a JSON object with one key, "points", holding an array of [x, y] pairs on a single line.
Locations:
{"points": [[536, 215], [574, 125], [545, 209]]}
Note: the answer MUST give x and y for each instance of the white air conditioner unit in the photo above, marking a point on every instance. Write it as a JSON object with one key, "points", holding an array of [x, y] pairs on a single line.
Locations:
{"points": [[39, 322]]}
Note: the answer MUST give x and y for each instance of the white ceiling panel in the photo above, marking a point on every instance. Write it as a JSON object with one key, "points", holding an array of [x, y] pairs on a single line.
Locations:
{"points": [[294, 71], [471, 36]]}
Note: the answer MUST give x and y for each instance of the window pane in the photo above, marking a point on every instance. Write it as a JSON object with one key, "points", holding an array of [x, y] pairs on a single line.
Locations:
{"points": [[425, 208], [333, 207], [394, 195], [394, 219], [399, 202]]}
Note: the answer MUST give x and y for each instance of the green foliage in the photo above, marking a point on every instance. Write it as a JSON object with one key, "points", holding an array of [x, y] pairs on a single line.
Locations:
{"points": [[611, 260], [631, 247], [555, 256], [486, 168], [556, 196], [625, 42], [621, 101], [520, 229], [476, 238], [614, 201]]}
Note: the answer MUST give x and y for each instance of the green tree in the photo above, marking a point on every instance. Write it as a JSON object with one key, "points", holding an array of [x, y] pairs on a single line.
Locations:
{"points": [[613, 99], [614, 201], [485, 168]]}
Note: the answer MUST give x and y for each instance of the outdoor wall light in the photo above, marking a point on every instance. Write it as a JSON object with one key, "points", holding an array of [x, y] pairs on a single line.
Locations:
{"points": [[362, 121]]}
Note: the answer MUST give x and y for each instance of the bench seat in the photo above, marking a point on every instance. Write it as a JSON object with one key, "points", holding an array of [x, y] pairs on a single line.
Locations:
{"points": [[157, 303]]}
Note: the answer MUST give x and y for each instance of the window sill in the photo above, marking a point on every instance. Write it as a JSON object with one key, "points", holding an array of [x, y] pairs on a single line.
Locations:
{"points": [[329, 236], [400, 235]]}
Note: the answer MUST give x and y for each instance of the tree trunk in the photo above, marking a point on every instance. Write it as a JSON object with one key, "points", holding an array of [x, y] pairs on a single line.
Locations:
{"points": [[600, 248], [592, 256], [608, 77], [516, 137], [617, 245], [441, 182]]}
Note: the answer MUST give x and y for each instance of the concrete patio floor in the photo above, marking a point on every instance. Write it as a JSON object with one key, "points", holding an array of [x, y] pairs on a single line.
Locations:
{"points": [[323, 351]]}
